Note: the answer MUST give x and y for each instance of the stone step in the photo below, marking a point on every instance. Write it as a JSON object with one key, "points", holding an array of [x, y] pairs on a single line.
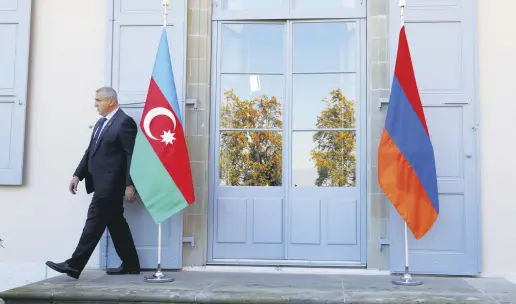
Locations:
{"points": [[235, 288]]}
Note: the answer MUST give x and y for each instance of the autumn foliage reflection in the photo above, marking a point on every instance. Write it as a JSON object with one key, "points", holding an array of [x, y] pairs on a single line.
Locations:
{"points": [[250, 158], [335, 151], [254, 157]]}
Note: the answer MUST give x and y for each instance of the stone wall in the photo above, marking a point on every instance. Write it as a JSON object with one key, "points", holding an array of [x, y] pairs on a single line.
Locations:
{"points": [[377, 87], [195, 220]]}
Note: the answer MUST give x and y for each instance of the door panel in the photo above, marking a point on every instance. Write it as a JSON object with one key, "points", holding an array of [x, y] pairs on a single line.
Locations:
{"points": [[249, 224], [15, 17], [325, 226], [441, 41], [248, 204], [136, 33], [324, 208]]}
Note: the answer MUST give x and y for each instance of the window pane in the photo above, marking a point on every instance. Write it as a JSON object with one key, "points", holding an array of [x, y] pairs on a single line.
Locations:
{"points": [[253, 48], [239, 5], [324, 159], [324, 4], [250, 158], [324, 101], [324, 47], [251, 102]]}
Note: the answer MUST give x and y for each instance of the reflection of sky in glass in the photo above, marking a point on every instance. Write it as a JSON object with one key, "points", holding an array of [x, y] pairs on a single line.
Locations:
{"points": [[317, 48], [309, 91], [253, 48], [324, 47]]}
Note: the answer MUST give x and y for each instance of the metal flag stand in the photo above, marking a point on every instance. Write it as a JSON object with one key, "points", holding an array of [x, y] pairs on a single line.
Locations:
{"points": [[159, 276], [406, 279]]}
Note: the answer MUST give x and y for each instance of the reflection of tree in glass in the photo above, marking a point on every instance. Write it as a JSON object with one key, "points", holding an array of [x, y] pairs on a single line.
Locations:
{"points": [[334, 154], [249, 158]]}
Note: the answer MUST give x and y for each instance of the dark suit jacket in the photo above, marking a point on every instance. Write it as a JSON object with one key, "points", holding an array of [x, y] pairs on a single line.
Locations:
{"points": [[106, 168]]}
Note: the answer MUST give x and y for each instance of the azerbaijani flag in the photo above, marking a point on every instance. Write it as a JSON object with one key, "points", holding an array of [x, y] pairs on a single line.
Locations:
{"points": [[406, 164], [160, 166]]}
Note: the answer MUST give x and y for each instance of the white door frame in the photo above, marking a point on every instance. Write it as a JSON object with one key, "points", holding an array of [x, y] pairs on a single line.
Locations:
{"points": [[361, 141]]}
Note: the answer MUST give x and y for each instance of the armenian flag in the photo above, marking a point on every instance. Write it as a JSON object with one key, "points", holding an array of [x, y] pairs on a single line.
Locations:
{"points": [[406, 162]]}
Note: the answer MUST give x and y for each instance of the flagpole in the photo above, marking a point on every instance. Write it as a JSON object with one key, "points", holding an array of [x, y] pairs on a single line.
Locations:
{"points": [[165, 13], [159, 276], [406, 279]]}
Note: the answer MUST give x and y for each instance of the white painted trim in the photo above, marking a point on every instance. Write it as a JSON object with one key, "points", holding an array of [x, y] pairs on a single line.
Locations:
{"points": [[286, 270], [476, 104], [213, 142]]}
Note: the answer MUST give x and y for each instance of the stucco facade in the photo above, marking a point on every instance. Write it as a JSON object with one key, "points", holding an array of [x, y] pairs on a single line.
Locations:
{"points": [[41, 221]]}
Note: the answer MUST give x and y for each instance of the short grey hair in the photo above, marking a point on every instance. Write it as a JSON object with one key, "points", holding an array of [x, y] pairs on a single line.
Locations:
{"points": [[108, 92]]}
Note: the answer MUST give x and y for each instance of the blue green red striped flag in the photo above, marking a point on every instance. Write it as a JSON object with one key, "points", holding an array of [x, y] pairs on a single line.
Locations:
{"points": [[160, 165]]}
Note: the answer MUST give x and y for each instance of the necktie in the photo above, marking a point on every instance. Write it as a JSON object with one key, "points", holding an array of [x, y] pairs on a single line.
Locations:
{"points": [[97, 132]]}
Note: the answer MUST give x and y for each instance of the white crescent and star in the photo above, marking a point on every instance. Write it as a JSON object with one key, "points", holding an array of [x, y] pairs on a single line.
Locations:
{"points": [[167, 136]]}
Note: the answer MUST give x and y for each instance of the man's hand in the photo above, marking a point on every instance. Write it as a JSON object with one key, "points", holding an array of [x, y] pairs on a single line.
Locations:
{"points": [[129, 193], [73, 185]]}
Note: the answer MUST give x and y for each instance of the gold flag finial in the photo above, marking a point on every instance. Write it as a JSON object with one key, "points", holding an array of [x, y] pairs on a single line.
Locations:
{"points": [[165, 7]]}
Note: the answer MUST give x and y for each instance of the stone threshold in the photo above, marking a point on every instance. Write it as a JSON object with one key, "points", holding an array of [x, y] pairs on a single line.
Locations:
{"points": [[234, 287]]}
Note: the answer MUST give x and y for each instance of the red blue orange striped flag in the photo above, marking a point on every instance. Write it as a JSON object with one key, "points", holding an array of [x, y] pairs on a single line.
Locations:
{"points": [[406, 163]]}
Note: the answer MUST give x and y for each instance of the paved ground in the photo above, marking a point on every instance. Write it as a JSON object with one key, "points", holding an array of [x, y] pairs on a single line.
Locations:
{"points": [[216, 287]]}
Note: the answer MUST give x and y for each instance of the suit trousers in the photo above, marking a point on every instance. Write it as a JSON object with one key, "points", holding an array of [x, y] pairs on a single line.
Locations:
{"points": [[105, 213]]}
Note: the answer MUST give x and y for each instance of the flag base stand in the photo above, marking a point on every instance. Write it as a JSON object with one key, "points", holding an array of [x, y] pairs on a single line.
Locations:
{"points": [[158, 276], [407, 280]]}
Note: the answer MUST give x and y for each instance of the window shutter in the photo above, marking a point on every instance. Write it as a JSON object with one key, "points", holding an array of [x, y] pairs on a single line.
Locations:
{"points": [[14, 65]]}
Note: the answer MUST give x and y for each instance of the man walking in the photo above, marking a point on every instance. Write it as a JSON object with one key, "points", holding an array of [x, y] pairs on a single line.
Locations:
{"points": [[105, 167]]}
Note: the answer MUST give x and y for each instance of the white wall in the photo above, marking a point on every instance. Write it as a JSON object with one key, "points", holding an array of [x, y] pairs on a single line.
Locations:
{"points": [[497, 94], [41, 220]]}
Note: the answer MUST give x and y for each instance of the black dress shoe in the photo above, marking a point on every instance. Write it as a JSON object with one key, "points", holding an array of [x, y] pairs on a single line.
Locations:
{"points": [[64, 268], [122, 270]]}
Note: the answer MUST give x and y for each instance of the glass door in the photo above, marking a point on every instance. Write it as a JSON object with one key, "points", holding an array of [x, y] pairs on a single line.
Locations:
{"points": [[248, 204], [287, 143], [324, 199]]}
